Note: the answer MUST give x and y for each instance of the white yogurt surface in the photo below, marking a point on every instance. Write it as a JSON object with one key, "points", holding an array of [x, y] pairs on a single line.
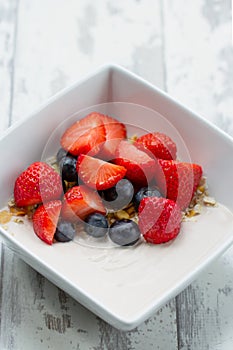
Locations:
{"points": [[103, 271]]}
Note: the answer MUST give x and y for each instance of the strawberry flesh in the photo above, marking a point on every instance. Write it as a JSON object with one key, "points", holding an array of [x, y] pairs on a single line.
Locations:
{"points": [[45, 220], [115, 132], [85, 136], [38, 183], [79, 202], [159, 219], [97, 173], [159, 144], [140, 166]]}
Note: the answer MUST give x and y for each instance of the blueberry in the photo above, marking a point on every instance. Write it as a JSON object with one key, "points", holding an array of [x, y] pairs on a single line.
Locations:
{"points": [[119, 196], [109, 195], [65, 231], [68, 169], [61, 154], [145, 192], [96, 225], [124, 232]]}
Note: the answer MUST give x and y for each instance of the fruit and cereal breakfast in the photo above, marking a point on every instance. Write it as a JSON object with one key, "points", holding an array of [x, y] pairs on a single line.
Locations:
{"points": [[109, 184]]}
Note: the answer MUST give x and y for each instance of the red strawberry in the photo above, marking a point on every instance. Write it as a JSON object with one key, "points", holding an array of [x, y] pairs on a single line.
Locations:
{"points": [[38, 183], [159, 144], [97, 173], [45, 220], [140, 166], [178, 180], [84, 136], [79, 202], [159, 219], [115, 132]]}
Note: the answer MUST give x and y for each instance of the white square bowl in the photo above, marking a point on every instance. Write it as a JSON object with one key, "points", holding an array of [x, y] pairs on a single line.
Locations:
{"points": [[123, 286]]}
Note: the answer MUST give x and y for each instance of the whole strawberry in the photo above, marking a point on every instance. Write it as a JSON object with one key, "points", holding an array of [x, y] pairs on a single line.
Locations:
{"points": [[159, 144], [159, 219], [38, 183], [178, 180]]}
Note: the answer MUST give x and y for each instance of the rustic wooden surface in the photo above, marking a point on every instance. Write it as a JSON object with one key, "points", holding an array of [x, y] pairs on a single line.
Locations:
{"points": [[184, 47]]}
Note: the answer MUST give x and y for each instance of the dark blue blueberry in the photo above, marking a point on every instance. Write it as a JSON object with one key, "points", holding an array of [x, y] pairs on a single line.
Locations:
{"points": [[65, 231], [124, 232], [96, 225], [68, 169], [109, 195], [119, 196], [61, 154], [145, 192]]}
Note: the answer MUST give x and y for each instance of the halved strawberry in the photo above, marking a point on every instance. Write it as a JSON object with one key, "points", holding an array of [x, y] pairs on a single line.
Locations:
{"points": [[159, 219], [79, 202], [84, 136], [178, 180], [38, 183], [45, 220], [140, 166], [115, 132], [97, 173], [159, 144]]}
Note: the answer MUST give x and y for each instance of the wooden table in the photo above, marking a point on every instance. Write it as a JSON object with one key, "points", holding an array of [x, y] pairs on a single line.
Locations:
{"points": [[183, 47]]}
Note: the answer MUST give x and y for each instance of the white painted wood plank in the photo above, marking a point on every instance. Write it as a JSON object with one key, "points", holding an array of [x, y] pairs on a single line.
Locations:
{"points": [[206, 308], [83, 36], [8, 24], [199, 72], [49, 57], [159, 332], [8, 29], [199, 57]]}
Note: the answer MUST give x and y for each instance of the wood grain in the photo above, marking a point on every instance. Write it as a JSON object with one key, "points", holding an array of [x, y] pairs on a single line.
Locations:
{"points": [[8, 31], [199, 67], [47, 58], [8, 37], [182, 47]]}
